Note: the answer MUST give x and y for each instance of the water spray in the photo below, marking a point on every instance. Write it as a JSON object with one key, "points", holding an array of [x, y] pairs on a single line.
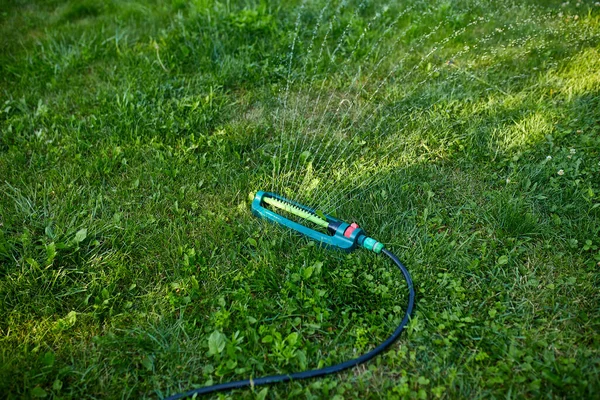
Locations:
{"points": [[334, 234]]}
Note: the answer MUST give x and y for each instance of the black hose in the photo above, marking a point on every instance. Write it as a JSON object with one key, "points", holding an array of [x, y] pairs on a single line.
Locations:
{"points": [[322, 371]]}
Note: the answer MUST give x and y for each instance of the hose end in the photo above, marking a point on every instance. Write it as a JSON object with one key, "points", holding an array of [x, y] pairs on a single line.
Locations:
{"points": [[372, 244]]}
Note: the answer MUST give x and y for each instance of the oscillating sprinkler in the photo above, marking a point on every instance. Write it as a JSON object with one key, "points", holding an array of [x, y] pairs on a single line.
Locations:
{"points": [[340, 235], [343, 236]]}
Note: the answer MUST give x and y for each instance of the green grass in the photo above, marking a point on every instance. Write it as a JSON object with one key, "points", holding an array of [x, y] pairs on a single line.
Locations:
{"points": [[463, 135]]}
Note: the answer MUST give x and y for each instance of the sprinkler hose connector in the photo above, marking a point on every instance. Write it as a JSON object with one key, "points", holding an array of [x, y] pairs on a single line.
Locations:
{"points": [[371, 244]]}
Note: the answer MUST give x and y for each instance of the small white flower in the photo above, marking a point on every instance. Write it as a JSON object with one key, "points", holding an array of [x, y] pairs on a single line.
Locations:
{"points": [[572, 151], [561, 172], [548, 158], [507, 180]]}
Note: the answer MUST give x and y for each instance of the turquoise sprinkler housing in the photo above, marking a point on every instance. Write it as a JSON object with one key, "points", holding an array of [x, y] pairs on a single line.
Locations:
{"points": [[342, 236]]}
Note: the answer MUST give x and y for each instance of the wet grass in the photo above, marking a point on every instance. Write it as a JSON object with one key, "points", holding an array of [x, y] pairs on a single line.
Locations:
{"points": [[464, 135]]}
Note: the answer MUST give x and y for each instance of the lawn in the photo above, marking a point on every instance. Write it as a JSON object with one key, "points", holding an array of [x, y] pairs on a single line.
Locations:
{"points": [[464, 135]]}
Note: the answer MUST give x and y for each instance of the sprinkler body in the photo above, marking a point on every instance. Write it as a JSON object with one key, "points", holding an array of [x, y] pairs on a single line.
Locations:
{"points": [[341, 235]]}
